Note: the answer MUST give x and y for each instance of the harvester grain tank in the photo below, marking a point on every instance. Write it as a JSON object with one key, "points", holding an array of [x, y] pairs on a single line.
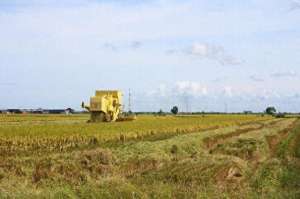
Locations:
{"points": [[106, 106]]}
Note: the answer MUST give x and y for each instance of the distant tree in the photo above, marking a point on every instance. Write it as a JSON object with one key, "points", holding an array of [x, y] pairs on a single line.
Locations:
{"points": [[174, 110], [161, 113], [271, 110], [248, 112]]}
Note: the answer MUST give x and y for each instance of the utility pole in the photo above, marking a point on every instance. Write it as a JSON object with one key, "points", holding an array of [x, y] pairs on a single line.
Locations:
{"points": [[129, 101], [226, 107], [186, 99]]}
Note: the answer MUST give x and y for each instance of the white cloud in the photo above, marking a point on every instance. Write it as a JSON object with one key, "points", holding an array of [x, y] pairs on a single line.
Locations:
{"points": [[207, 51], [295, 5], [268, 94], [163, 90], [136, 44], [284, 74], [191, 88], [256, 78], [180, 88], [213, 52], [111, 46], [220, 79], [7, 84], [227, 91], [204, 50], [236, 97], [117, 46]]}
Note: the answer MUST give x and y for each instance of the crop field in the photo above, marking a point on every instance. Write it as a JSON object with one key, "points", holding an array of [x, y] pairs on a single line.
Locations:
{"points": [[199, 156]]}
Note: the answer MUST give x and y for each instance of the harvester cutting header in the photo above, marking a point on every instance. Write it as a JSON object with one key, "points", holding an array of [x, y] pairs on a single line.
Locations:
{"points": [[106, 106]]}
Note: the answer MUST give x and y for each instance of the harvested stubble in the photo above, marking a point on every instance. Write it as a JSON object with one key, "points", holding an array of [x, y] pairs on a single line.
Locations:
{"points": [[153, 157]]}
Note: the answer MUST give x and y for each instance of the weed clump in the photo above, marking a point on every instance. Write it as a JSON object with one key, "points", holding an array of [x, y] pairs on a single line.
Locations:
{"points": [[2, 174], [42, 170], [100, 156], [174, 149]]}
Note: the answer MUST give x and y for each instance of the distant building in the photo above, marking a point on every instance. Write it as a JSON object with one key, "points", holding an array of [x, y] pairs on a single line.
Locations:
{"points": [[59, 111], [37, 111], [56, 111], [15, 111], [69, 111]]}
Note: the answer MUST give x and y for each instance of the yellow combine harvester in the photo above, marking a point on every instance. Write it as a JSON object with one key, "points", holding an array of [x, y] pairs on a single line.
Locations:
{"points": [[106, 106]]}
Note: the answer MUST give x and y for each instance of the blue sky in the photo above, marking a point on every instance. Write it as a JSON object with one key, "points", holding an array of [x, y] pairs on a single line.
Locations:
{"points": [[199, 55]]}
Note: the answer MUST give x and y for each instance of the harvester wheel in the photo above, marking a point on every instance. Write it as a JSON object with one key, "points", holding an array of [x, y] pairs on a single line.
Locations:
{"points": [[98, 117], [108, 117]]}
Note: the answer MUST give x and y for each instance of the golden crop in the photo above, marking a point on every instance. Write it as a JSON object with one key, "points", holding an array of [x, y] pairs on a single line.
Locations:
{"points": [[36, 133]]}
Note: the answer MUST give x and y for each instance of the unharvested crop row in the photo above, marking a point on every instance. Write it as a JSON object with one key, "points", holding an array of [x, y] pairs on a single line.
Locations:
{"points": [[50, 138]]}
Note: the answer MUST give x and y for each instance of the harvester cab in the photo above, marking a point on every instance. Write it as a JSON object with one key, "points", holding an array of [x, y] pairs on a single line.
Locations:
{"points": [[106, 106]]}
